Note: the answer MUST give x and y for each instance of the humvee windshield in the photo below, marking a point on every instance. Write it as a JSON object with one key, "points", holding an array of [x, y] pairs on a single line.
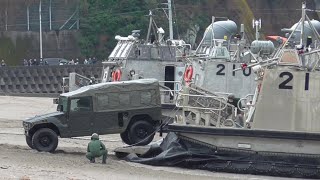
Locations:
{"points": [[63, 101]]}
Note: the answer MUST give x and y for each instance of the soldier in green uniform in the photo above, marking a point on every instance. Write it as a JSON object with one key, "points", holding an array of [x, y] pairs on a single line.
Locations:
{"points": [[239, 118], [96, 149]]}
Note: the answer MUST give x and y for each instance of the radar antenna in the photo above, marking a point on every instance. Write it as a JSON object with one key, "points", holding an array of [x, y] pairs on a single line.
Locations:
{"points": [[256, 24]]}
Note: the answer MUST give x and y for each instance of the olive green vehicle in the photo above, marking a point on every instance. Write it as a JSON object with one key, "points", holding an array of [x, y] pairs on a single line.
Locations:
{"points": [[131, 108]]}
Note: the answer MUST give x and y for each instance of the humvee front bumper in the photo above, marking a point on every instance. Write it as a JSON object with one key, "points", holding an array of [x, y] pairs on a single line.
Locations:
{"points": [[26, 126]]}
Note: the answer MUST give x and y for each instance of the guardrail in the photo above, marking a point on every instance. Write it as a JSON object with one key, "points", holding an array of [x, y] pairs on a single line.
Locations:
{"points": [[168, 95], [202, 102], [205, 107]]}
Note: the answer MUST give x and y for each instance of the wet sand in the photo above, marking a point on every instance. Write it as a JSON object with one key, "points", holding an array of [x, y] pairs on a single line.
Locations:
{"points": [[18, 161]]}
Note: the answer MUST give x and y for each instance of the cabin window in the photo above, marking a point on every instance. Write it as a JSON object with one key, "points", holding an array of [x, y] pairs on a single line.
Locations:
{"points": [[155, 54], [137, 52], [82, 104], [110, 100], [153, 97], [124, 99], [113, 99], [145, 97], [135, 98], [102, 101], [168, 54], [220, 52]]}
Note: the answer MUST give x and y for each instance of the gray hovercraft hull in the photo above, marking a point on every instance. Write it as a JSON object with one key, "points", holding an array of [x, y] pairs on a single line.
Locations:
{"points": [[275, 153]]}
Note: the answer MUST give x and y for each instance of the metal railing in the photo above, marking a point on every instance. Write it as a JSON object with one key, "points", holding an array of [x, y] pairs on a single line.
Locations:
{"points": [[168, 95], [65, 84], [201, 102], [213, 110], [248, 101], [75, 81]]}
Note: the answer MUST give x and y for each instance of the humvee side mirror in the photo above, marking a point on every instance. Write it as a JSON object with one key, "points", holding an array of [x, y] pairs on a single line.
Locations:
{"points": [[60, 108], [56, 101]]}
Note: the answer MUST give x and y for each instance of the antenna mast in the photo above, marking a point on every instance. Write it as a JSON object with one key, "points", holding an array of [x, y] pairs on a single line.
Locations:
{"points": [[257, 25], [150, 24], [303, 18]]}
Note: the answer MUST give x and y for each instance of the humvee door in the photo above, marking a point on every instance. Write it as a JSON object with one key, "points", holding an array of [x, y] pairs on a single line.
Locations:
{"points": [[80, 116]]}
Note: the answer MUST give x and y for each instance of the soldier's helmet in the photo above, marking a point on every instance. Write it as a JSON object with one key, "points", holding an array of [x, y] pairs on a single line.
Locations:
{"points": [[231, 97], [95, 136]]}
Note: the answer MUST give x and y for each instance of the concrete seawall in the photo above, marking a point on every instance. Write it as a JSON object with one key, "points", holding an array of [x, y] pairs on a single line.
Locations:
{"points": [[41, 80]]}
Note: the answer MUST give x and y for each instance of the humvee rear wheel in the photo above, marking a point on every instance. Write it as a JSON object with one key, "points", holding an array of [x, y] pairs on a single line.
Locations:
{"points": [[125, 137], [29, 141], [141, 133], [45, 139]]}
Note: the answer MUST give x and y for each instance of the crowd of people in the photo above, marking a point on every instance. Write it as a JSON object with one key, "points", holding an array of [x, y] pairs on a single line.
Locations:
{"points": [[3, 63], [76, 61], [54, 61], [34, 62]]}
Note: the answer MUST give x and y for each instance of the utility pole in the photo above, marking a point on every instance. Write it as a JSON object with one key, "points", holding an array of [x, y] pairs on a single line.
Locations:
{"points": [[6, 18], [78, 17], [28, 17], [40, 31], [50, 14], [170, 19]]}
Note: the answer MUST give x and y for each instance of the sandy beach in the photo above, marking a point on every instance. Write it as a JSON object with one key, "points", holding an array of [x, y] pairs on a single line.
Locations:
{"points": [[18, 161]]}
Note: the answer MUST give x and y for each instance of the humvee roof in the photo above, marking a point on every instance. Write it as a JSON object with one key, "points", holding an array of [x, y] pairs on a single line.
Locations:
{"points": [[132, 85]]}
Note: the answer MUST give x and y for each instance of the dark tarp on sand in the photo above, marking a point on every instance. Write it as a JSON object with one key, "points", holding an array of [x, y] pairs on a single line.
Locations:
{"points": [[179, 152]]}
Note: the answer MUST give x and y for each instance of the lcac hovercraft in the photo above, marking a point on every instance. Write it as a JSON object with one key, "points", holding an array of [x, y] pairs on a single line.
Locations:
{"points": [[281, 132], [136, 58], [222, 50]]}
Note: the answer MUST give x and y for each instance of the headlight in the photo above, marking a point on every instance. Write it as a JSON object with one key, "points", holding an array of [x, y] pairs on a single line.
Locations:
{"points": [[26, 125]]}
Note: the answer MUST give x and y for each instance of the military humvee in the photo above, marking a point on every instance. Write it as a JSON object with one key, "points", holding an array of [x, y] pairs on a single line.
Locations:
{"points": [[131, 108]]}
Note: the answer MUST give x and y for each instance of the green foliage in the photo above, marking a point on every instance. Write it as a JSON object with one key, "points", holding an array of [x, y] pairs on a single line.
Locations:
{"points": [[12, 52], [102, 20]]}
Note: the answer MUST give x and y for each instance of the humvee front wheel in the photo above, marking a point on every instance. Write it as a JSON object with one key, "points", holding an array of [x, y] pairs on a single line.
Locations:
{"points": [[45, 139], [141, 133], [29, 141], [125, 137]]}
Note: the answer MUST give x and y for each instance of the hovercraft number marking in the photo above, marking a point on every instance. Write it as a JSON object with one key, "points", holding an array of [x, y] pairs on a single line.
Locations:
{"points": [[222, 67], [284, 84], [245, 73]]}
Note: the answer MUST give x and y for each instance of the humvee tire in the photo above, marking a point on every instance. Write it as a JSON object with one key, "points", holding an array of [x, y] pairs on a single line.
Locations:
{"points": [[141, 133], [125, 137], [29, 141], [45, 139]]}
